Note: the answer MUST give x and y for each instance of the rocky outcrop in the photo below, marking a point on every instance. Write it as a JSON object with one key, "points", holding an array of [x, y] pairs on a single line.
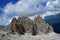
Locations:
{"points": [[34, 29], [15, 27], [20, 29], [42, 26], [26, 22], [25, 25]]}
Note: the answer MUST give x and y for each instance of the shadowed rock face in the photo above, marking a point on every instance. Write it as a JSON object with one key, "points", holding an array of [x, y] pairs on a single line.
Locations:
{"points": [[26, 22], [20, 29], [34, 29], [13, 25], [26, 25]]}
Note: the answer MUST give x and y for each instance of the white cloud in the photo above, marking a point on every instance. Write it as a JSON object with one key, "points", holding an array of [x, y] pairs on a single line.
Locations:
{"points": [[4, 21], [49, 13], [23, 7], [29, 7], [53, 8]]}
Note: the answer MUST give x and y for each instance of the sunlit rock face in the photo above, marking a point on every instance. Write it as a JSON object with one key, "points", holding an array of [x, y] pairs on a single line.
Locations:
{"points": [[42, 26], [24, 25]]}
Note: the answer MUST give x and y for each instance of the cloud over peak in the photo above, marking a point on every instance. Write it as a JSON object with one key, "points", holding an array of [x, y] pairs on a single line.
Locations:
{"points": [[30, 8]]}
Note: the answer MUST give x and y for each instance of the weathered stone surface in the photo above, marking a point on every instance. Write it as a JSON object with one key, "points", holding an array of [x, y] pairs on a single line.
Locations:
{"points": [[34, 29], [25, 25], [13, 25], [42, 26], [20, 29], [26, 22]]}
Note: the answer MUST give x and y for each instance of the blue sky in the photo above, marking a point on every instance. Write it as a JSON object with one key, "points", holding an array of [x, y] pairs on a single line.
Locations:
{"points": [[30, 8], [4, 2]]}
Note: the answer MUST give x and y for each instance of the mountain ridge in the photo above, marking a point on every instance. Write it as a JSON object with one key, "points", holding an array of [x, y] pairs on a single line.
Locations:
{"points": [[24, 25]]}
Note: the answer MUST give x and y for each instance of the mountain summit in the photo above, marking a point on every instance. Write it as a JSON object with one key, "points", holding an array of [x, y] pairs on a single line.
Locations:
{"points": [[24, 25]]}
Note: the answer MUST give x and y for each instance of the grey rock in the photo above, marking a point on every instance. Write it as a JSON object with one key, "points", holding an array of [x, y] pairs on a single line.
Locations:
{"points": [[26, 22], [42, 26], [25, 25]]}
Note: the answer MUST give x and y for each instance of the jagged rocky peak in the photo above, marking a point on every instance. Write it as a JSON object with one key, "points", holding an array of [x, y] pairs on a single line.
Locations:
{"points": [[42, 26], [38, 19], [26, 22], [25, 25], [24, 19], [13, 25], [14, 20]]}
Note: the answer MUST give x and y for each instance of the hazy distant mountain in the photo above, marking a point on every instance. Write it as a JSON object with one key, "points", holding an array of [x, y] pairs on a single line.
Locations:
{"points": [[2, 27], [53, 19], [56, 27]]}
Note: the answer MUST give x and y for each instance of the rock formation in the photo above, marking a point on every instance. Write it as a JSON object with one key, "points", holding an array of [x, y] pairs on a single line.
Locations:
{"points": [[25, 25], [13, 25], [42, 26], [26, 22], [20, 29], [34, 29]]}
